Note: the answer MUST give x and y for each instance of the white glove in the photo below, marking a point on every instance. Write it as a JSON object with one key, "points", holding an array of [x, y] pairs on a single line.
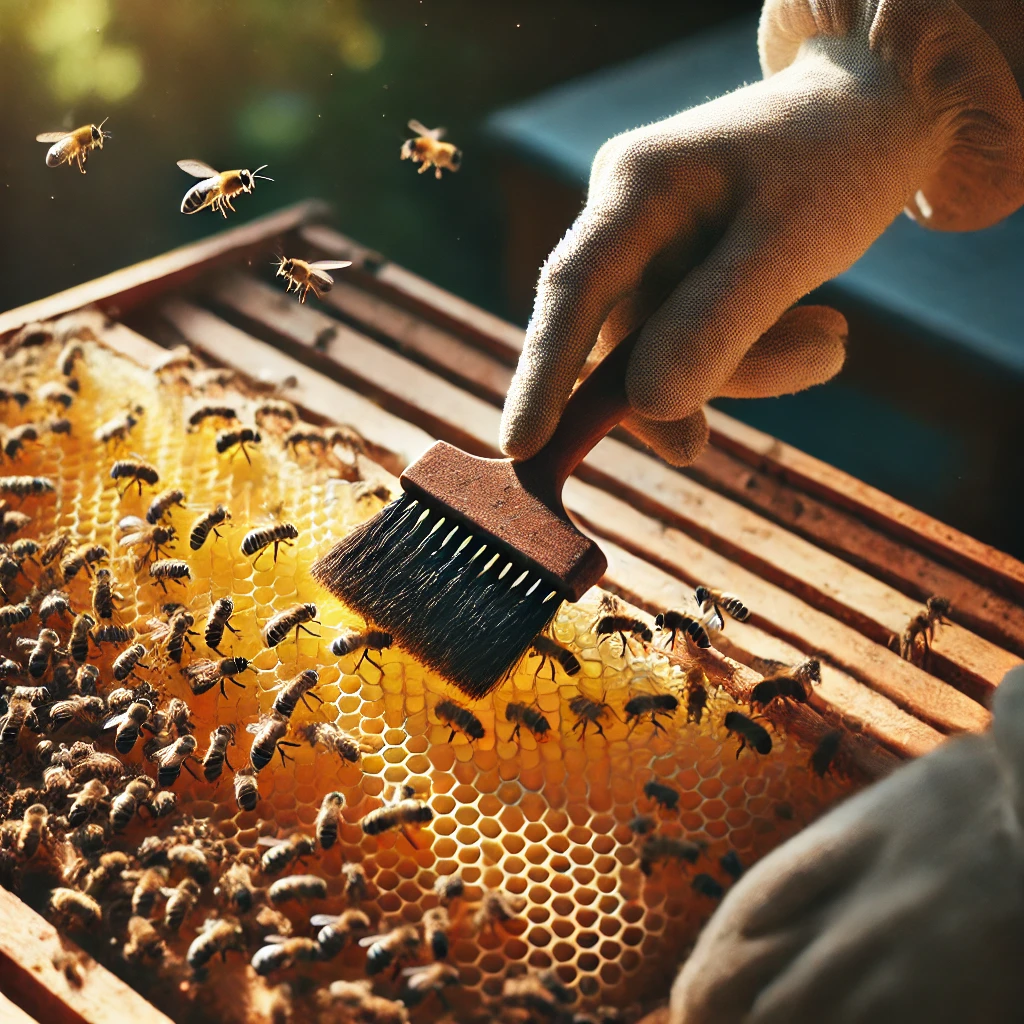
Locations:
{"points": [[737, 208], [903, 905]]}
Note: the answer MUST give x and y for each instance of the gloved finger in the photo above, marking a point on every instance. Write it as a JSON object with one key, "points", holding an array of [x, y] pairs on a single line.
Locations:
{"points": [[600, 258], [806, 346], [678, 442], [692, 344]]}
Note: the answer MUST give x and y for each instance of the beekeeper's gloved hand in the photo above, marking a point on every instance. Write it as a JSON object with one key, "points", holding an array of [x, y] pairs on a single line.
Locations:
{"points": [[905, 904], [737, 208]]}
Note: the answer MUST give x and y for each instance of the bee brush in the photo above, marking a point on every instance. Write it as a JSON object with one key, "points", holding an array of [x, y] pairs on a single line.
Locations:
{"points": [[474, 560]]}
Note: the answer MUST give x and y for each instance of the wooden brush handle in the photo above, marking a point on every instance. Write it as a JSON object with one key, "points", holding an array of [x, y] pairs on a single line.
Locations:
{"points": [[597, 405]]}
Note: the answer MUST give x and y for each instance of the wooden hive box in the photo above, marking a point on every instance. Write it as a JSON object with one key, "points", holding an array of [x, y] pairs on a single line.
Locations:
{"points": [[829, 566]]}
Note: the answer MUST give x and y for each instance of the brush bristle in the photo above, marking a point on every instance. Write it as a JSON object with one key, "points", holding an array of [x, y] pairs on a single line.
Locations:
{"points": [[456, 602]]}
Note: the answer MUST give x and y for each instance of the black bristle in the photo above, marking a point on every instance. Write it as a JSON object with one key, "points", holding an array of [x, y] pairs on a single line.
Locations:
{"points": [[422, 577]]}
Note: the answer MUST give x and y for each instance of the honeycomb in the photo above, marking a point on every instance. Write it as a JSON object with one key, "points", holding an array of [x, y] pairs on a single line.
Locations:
{"points": [[543, 820]]}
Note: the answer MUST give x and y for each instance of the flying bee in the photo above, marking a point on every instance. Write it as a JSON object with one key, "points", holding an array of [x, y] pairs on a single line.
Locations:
{"points": [[404, 810], [609, 625], [75, 909], [217, 621], [790, 683], [205, 524], [255, 541], [308, 277], [587, 712], [238, 439], [696, 695], [169, 759], [657, 848], [204, 675], [174, 633], [247, 792], [664, 796], [549, 650], [267, 733], [750, 733], [26, 486], [74, 146], [173, 569], [293, 690], [730, 603], [15, 614], [435, 931], [217, 756], [211, 412], [235, 886], [282, 852], [150, 884], [297, 887], [118, 428], [653, 704], [497, 907], [916, 639], [103, 594], [396, 945], [71, 354], [163, 803], [523, 714], [282, 952], [457, 717], [348, 641], [126, 804], [55, 603], [30, 834], [112, 633], [217, 935], [217, 188], [825, 752], [41, 650], [428, 150], [144, 942], [135, 472], [337, 929], [128, 661], [129, 724], [328, 819], [163, 503], [137, 533], [296, 617]]}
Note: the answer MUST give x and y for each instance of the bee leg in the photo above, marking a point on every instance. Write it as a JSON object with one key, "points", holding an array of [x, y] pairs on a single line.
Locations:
{"points": [[245, 452], [451, 736], [305, 629], [515, 732], [227, 625], [188, 768], [552, 670], [437, 173], [284, 756], [425, 166], [227, 762], [409, 839]]}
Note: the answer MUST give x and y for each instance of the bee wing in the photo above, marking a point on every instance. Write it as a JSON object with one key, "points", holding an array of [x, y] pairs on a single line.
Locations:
{"points": [[273, 940], [369, 940], [408, 972], [198, 169], [253, 727], [270, 841], [129, 523], [111, 723], [330, 264], [52, 136], [167, 755], [320, 920], [26, 642], [129, 540], [429, 133]]}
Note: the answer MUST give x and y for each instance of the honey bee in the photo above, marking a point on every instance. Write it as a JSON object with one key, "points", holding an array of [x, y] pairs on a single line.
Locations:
{"points": [[172, 569], [90, 763], [129, 724], [664, 796], [15, 438], [87, 802], [217, 621], [75, 909], [328, 819], [275, 414], [394, 946], [916, 639], [118, 428], [15, 614], [169, 759], [825, 752], [175, 633], [267, 733], [293, 690], [211, 412], [348, 641], [308, 277], [609, 625], [55, 603], [163, 503], [283, 851], [137, 533], [217, 188], [207, 524], [74, 146], [103, 594], [204, 675], [336, 930], [297, 887], [41, 650], [30, 835], [110, 868], [428, 150], [235, 884], [73, 563], [25, 548], [135, 472], [26, 486], [697, 627], [552, 651], [238, 439], [215, 758], [731, 863], [696, 695], [19, 397], [111, 633], [653, 704], [147, 888], [401, 812], [522, 715], [54, 549], [421, 981], [126, 804], [587, 712], [177, 360], [497, 907], [59, 425], [255, 541], [730, 603], [449, 888], [435, 931], [642, 825], [278, 628], [163, 804], [88, 840], [128, 661], [217, 935], [71, 354], [191, 859], [789, 683], [457, 717], [750, 733], [538, 994], [657, 848], [57, 394], [281, 952], [144, 942], [705, 885], [357, 1002]]}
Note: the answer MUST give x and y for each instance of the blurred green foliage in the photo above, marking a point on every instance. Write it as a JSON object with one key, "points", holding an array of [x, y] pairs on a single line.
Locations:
{"points": [[320, 90]]}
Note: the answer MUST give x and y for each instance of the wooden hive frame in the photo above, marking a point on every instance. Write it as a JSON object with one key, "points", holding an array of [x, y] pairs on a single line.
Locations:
{"points": [[828, 565]]}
